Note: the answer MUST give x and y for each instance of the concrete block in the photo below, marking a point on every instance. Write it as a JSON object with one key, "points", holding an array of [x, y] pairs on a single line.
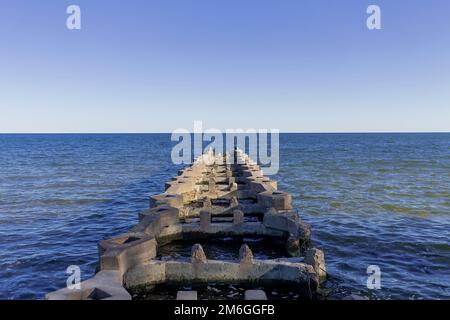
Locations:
{"points": [[294, 246], [258, 186], [153, 220], [105, 285], [197, 254], [170, 233], [169, 199], [238, 217], [151, 272], [125, 251], [278, 199], [167, 215], [205, 219], [294, 228], [149, 225], [245, 254], [276, 221], [255, 295], [212, 185], [316, 259], [187, 295], [224, 271], [233, 186], [207, 203], [251, 173]]}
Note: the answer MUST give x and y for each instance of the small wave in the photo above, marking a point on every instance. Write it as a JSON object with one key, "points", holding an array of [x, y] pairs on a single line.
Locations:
{"points": [[438, 195], [70, 202], [399, 209], [336, 204], [440, 247], [306, 197]]}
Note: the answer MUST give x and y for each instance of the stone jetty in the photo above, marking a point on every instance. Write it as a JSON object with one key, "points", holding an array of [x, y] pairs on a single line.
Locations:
{"points": [[217, 196]]}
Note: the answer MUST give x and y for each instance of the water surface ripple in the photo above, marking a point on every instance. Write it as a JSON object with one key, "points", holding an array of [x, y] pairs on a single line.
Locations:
{"points": [[380, 199]]}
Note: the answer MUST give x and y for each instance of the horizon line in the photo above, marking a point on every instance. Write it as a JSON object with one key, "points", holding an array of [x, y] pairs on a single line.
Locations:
{"points": [[281, 132]]}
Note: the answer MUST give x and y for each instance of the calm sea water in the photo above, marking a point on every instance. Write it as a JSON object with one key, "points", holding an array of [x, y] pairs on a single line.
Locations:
{"points": [[372, 199]]}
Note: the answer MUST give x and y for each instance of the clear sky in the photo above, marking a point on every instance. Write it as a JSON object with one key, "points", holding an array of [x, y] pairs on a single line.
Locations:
{"points": [[154, 66]]}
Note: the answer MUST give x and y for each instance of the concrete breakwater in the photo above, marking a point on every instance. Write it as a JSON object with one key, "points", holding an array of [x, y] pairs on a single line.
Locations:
{"points": [[217, 196]]}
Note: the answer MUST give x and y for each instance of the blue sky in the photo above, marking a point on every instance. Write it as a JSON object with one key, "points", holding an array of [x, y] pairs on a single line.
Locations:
{"points": [[154, 66]]}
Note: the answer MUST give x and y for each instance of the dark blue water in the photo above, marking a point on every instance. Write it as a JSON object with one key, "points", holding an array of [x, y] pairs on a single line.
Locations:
{"points": [[380, 199]]}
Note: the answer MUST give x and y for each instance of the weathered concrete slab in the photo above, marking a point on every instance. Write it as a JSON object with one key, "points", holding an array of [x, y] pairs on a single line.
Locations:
{"points": [[238, 217], [222, 271], [167, 198], [255, 295], [275, 199], [106, 285], [125, 251], [315, 258], [187, 295]]}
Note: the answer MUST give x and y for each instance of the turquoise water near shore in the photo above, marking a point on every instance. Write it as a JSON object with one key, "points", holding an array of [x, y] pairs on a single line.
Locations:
{"points": [[380, 199]]}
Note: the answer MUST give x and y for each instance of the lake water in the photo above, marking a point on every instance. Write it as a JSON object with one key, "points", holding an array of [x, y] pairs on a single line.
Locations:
{"points": [[372, 199]]}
